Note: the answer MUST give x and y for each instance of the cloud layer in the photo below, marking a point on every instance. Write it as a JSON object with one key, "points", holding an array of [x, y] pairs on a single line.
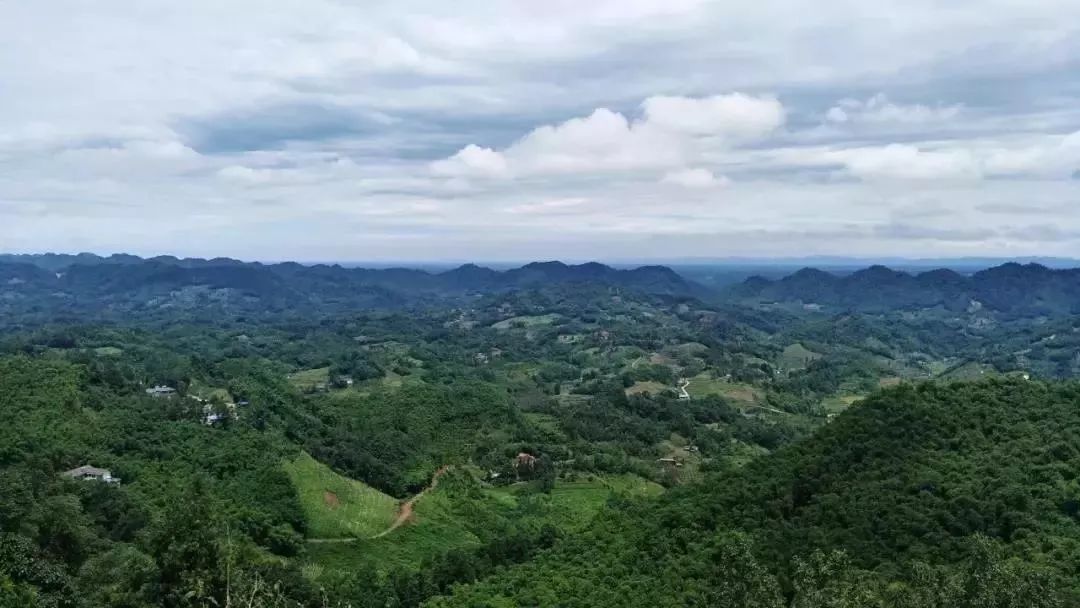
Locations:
{"points": [[316, 130]]}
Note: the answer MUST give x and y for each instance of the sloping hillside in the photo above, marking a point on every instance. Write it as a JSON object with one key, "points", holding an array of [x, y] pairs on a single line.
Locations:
{"points": [[958, 495]]}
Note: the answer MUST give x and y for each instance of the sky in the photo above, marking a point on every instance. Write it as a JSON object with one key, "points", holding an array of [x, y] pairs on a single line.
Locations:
{"points": [[606, 130]]}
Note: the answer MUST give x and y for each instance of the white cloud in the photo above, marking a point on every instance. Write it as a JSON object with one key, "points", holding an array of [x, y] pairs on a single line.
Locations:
{"points": [[734, 115], [694, 178], [602, 141], [671, 132], [905, 162], [472, 160], [355, 111], [558, 205], [1049, 157], [878, 110], [245, 174]]}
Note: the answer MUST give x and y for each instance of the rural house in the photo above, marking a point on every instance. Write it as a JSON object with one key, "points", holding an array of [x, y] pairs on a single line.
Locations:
{"points": [[91, 473], [161, 391]]}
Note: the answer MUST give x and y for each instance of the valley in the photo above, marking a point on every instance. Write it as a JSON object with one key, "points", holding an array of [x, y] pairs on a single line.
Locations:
{"points": [[485, 438]]}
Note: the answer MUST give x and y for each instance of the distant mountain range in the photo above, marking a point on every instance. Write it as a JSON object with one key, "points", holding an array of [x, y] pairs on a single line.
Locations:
{"points": [[1022, 289], [55, 283], [127, 282]]}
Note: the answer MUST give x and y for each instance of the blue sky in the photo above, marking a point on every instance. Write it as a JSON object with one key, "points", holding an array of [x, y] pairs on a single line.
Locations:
{"points": [[618, 130]]}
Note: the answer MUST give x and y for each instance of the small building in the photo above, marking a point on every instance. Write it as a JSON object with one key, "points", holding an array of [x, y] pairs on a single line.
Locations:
{"points": [[91, 473], [526, 460], [161, 391], [211, 417]]}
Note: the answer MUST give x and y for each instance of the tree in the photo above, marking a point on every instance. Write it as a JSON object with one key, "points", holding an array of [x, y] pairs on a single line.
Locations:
{"points": [[122, 577], [185, 545]]}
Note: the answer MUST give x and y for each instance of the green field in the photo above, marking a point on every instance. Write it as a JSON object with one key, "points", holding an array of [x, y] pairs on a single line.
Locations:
{"points": [[206, 391], [704, 384], [527, 321], [839, 403], [456, 517], [310, 378], [797, 356], [108, 351], [336, 506]]}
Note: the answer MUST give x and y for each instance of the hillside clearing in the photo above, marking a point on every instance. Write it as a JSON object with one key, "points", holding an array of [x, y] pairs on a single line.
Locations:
{"points": [[336, 506]]}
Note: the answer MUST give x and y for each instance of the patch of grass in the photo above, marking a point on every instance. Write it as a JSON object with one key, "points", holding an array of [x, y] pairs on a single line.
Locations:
{"points": [[446, 519], [108, 351], [544, 422], [310, 378], [651, 387], [704, 384], [797, 356], [838, 403], [527, 321], [336, 506], [573, 502], [969, 370], [205, 391]]}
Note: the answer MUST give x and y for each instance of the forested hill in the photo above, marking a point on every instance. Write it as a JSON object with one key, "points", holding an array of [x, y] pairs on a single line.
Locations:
{"points": [[1027, 289], [928, 496], [83, 282]]}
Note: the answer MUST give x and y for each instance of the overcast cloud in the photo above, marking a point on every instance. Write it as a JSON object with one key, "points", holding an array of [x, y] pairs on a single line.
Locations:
{"points": [[610, 130]]}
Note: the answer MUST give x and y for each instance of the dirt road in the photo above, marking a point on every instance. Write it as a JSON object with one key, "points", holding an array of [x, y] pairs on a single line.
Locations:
{"points": [[405, 512]]}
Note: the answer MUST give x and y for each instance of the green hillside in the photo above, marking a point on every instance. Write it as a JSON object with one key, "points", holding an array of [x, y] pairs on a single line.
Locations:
{"points": [[335, 506], [957, 495]]}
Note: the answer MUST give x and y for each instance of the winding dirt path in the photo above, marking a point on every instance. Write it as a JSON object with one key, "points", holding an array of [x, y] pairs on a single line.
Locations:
{"points": [[683, 383], [405, 512]]}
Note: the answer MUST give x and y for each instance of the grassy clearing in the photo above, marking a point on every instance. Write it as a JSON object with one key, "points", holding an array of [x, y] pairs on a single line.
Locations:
{"points": [[336, 506], [308, 379], [797, 356], [651, 387], [445, 519], [969, 370], [108, 351], [205, 391], [546, 423], [704, 384], [573, 503], [527, 321], [838, 403]]}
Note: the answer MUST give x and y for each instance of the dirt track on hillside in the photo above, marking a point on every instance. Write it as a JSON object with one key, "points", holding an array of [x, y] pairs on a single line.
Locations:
{"points": [[405, 512]]}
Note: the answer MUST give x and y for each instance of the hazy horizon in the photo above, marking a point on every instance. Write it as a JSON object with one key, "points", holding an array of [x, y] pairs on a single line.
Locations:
{"points": [[734, 263]]}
